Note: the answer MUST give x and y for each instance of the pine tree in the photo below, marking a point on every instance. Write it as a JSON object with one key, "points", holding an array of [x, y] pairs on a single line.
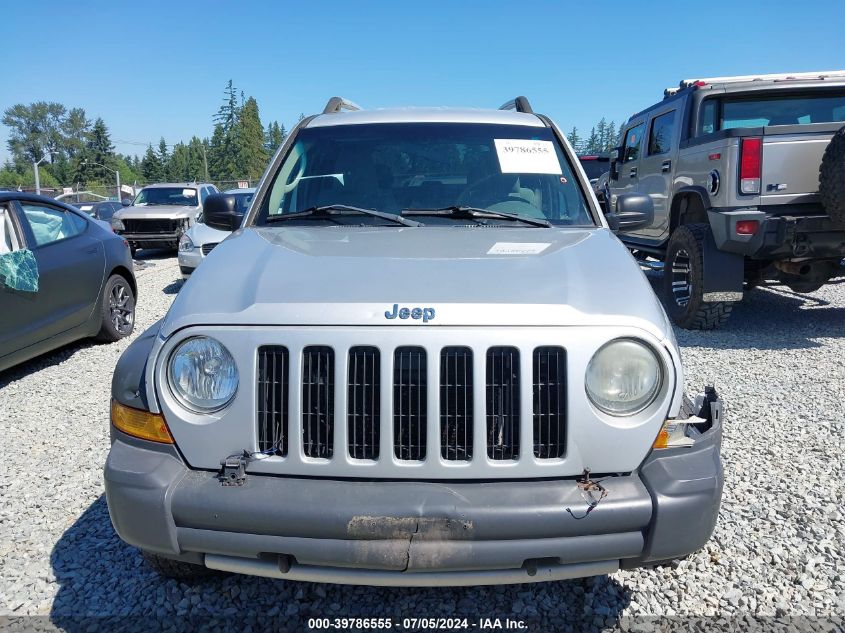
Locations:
{"points": [[96, 156], [592, 144], [151, 167], [274, 137], [249, 141], [574, 139], [223, 150], [610, 142], [163, 157]]}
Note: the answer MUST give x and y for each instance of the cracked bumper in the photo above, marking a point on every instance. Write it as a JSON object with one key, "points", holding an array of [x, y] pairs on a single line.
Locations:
{"points": [[409, 532]]}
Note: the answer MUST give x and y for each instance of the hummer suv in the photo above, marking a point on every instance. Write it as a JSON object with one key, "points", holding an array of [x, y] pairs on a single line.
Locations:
{"points": [[422, 358], [747, 177], [160, 214]]}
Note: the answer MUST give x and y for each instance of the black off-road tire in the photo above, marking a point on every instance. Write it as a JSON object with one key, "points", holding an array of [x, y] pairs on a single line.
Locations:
{"points": [[832, 179], [683, 282], [176, 569], [117, 310]]}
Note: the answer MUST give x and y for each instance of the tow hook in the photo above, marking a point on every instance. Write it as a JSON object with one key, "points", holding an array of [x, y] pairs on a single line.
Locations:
{"points": [[233, 471]]}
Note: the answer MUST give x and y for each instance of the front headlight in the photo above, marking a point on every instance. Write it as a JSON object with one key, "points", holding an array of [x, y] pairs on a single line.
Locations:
{"points": [[202, 374], [185, 243], [117, 225], [623, 377]]}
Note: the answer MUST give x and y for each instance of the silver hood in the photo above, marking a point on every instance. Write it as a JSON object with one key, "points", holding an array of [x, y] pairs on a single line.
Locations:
{"points": [[200, 233], [157, 212], [469, 276]]}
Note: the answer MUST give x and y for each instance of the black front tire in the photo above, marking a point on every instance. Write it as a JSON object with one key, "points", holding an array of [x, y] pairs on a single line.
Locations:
{"points": [[176, 569], [117, 310], [683, 282]]}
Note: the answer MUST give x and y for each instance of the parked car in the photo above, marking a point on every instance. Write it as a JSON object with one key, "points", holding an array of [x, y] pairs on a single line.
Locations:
{"points": [[160, 214], [410, 366], [199, 240], [100, 209], [746, 184], [597, 166], [63, 277]]}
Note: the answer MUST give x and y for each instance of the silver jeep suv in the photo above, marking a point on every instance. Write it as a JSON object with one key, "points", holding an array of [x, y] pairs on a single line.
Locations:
{"points": [[422, 358]]}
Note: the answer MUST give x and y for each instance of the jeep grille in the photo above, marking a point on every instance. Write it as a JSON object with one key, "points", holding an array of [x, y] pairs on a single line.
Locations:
{"points": [[458, 405], [318, 401]]}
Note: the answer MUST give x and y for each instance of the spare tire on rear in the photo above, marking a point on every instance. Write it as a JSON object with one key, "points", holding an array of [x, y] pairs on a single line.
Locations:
{"points": [[832, 179]]}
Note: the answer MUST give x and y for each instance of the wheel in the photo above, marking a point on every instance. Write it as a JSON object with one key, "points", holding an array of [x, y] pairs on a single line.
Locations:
{"points": [[683, 277], [832, 179], [117, 310], [176, 569]]}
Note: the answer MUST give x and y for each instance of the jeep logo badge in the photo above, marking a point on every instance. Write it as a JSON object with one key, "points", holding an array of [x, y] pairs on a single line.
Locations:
{"points": [[426, 314]]}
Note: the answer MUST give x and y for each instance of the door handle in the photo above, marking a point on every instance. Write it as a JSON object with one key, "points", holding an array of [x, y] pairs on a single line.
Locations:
{"points": [[666, 166], [632, 173], [91, 250]]}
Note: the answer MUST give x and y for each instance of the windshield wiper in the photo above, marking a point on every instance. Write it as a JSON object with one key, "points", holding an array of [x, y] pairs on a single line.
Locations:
{"points": [[460, 212], [327, 211]]}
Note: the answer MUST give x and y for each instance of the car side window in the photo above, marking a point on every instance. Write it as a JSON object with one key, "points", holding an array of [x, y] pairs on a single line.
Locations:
{"points": [[10, 241], [707, 117], [660, 136], [633, 141], [50, 224], [203, 195]]}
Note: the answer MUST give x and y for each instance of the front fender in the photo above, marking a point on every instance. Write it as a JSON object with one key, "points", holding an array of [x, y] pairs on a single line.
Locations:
{"points": [[129, 383]]}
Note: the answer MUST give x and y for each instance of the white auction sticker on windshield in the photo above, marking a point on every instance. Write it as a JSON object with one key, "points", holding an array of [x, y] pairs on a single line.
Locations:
{"points": [[518, 248], [521, 156], [189, 193]]}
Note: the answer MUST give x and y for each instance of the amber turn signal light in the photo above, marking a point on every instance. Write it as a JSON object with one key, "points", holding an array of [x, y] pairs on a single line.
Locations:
{"points": [[142, 424]]}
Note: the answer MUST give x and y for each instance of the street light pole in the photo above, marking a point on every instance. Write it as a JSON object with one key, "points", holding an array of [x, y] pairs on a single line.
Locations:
{"points": [[35, 169]]}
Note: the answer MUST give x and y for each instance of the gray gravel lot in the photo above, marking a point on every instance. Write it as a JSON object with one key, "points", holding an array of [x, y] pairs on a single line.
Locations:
{"points": [[777, 549]]}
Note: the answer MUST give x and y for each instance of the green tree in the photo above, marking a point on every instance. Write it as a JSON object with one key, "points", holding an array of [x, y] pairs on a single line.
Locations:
{"points": [[610, 139], [186, 162], [274, 136], [97, 153], [151, 168], [34, 130], [75, 129], [251, 154], [592, 144], [574, 139], [223, 149], [163, 156]]}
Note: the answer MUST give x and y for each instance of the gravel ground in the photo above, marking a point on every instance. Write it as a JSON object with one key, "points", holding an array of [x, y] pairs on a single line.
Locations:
{"points": [[777, 551]]}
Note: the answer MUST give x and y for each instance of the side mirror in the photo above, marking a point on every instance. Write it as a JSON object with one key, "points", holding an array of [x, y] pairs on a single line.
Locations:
{"points": [[633, 211], [125, 202], [220, 212]]}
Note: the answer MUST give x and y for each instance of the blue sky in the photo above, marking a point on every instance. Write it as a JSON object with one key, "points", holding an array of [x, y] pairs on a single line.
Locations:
{"points": [[153, 69]]}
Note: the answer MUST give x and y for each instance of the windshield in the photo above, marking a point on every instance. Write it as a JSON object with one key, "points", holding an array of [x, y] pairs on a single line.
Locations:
{"points": [[177, 196], [391, 167], [822, 107]]}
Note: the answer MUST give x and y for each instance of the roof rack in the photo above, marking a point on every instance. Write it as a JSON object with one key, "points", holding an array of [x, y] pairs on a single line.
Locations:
{"points": [[688, 83], [520, 104], [336, 104]]}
